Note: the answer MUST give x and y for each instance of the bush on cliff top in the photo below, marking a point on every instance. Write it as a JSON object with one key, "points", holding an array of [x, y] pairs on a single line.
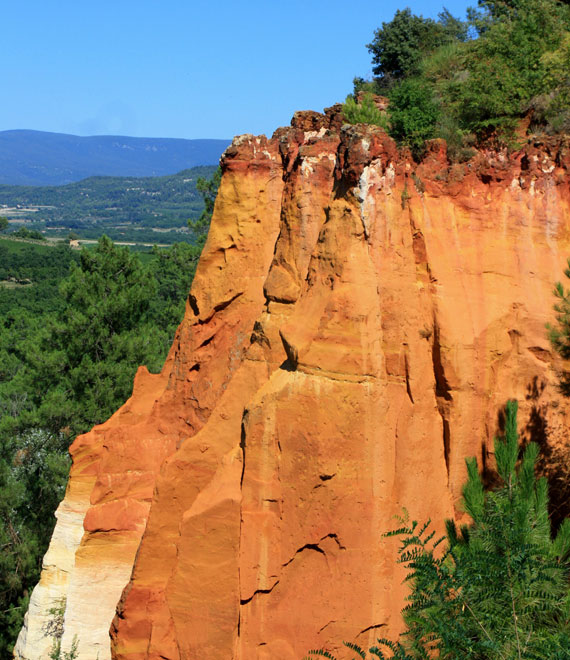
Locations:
{"points": [[499, 588], [364, 112], [477, 77]]}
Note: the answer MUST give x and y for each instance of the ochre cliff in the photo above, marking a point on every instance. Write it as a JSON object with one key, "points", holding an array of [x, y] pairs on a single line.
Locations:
{"points": [[356, 325]]}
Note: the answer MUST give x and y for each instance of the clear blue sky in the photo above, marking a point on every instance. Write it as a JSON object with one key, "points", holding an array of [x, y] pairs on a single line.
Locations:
{"points": [[184, 68]]}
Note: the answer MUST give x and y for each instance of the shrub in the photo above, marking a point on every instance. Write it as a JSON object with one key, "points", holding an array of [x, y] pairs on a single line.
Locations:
{"points": [[31, 234], [365, 112], [413, 113]]}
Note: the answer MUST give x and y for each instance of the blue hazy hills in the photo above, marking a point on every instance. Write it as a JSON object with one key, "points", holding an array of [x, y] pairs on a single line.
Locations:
{"points": [[38, 158]]}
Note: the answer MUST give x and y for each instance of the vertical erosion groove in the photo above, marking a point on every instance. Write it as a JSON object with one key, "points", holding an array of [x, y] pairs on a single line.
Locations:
{"points": [[242, 446], [442, 392], [442, 389], [408, 388]]}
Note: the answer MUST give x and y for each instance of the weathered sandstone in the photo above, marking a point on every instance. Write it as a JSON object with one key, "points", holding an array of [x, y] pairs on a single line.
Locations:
{"points": [[355, 327]]}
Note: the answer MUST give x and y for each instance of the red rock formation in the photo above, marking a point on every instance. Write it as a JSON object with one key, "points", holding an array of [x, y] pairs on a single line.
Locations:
{"points": [[355, 326]]}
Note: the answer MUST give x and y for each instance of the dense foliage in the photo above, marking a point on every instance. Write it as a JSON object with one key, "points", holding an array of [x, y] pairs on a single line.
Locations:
{"points": [[364, 112], [67, 361], [474, 79], [22, 264], [497, 588], [29, 234], [73, 330], [399, 46]]}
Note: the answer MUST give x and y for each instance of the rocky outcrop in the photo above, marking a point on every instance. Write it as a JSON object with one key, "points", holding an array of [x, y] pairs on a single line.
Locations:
{"points": [[356, 325]]}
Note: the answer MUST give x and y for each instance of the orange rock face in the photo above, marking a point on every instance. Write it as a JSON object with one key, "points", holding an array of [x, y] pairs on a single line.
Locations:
{"points": [[355, 327]]}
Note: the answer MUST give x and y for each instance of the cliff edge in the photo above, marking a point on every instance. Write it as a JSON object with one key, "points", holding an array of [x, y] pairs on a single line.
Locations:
{"points": [[355, 327]]}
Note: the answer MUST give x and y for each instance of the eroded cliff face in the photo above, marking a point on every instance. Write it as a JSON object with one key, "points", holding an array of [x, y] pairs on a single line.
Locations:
{"points": [[355, 327]]}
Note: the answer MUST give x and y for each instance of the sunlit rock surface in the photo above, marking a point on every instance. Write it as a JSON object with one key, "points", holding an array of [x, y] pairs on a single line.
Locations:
{"points": [[355, 327]]}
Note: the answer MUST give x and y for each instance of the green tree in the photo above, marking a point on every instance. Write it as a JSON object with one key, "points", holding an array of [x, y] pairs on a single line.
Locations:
{"points": [[85, 360], [30, 234], [481, 87], [4, 224], [173, 271], [413, 112], [60, 373], [559, 333], [66, 364], [365, 112], [399, 46], [505, 66], [498, 588], [552, 106], [33, 473], [208, 188], [70, 369]]}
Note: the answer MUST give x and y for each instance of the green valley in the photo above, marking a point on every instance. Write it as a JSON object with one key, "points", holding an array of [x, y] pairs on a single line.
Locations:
{"points": [[127, 209]]}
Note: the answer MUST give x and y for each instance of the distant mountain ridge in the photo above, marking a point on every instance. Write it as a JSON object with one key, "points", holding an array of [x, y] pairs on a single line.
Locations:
{"points": [[37, 158]]}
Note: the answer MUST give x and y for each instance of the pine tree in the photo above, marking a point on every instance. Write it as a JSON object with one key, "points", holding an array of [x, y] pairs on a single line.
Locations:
{"points": [[559, 334], [364, 112], [497, 588]]}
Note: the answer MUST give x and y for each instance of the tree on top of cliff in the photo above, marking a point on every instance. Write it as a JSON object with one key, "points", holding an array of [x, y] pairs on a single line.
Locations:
{"points": [[499, 588], [516, 62], [399, 46], [364, 112]]}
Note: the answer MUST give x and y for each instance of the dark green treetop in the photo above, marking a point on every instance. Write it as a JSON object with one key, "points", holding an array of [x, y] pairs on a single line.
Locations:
{"points": [[399, 45]]}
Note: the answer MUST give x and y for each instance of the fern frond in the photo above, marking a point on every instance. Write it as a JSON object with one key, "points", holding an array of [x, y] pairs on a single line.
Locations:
{"points": [[356, 649]]}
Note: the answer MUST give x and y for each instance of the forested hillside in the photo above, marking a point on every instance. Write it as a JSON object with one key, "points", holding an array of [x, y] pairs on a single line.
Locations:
{"points": [[122, 207], [30, 275]]}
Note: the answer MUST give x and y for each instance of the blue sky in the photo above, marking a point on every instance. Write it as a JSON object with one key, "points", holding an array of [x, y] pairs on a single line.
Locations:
{"points": [[183, 68]]}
